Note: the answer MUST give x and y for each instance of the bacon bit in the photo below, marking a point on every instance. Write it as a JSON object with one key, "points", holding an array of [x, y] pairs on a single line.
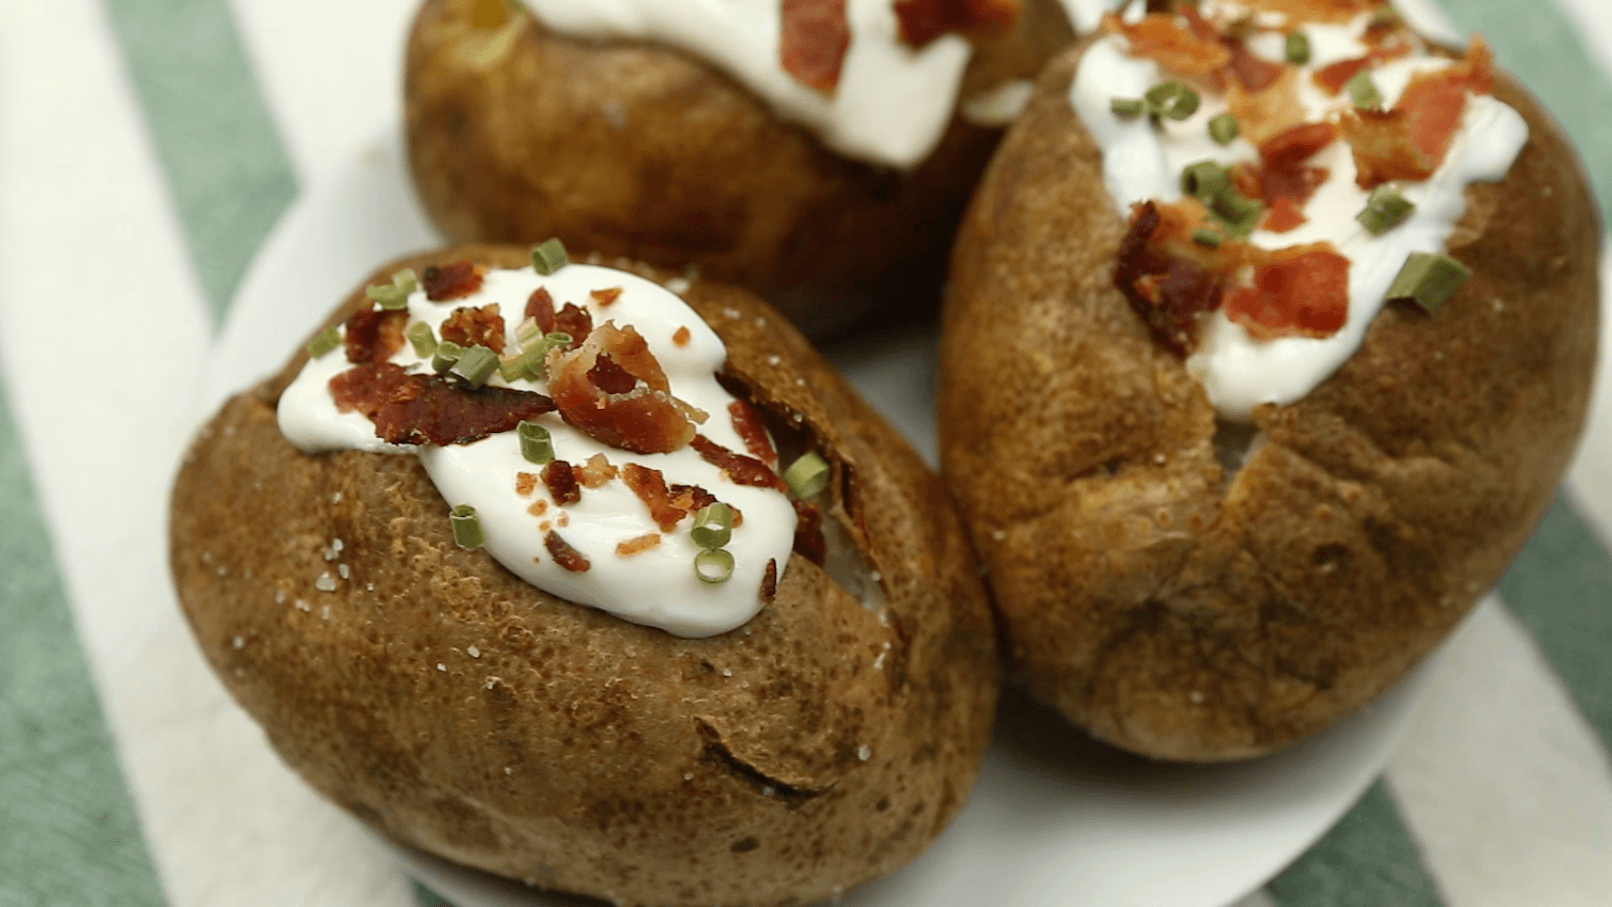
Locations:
{"points": [[525, 483], [451, 281], [595, 472], [1410, 141], [539, 507], [922, 21], [1336, 11], [1383, 148], [1159, 38], [646, 542], [769, 581], [690, 498], [1283, 215], [681, 336], [740, 469], [1289, 149], [564, 520], [643, 420], [1285, 182], [609, 377], [431, 409], [1167, 290], [1305, 292], [813, 40], [562, 484], [1248, 180], [544, 526], [374, 336], [1332, 79], [605, 297], [748, 425], [1252, 71], [564, 555], [1268, 113], [575, 321], [809, 541], [476, 327], [540, 306], [650, 486]]}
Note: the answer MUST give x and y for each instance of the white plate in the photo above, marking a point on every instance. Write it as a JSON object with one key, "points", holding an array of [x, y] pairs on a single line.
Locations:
{"points": [[1056, 819]]}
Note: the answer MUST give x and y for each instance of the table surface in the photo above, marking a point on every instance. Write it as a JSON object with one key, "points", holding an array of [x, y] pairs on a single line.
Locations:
{"points": [[147, 148]]}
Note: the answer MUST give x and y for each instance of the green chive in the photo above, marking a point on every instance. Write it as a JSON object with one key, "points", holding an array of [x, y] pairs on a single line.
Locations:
{"points": [[446, 355], [807, 475], [536, 445], [1298, 48], [406, 281], [420, 336], [323, 342], [1363, 91], [396, 295], [558, 338], [1204, 236], [1428, 280], [1224, 129], [713, 566], [1239, 213], [713, 525], [1128, 108], [527, 332], [466, 527], [1384, 209], [1172, 100], [476, 365], [512, 368], [1205, 179], [549, 256]]}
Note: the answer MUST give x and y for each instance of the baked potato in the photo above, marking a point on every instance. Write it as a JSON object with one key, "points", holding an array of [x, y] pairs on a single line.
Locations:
{"points": [[516, 132], [1193, 574], [457, 708]]}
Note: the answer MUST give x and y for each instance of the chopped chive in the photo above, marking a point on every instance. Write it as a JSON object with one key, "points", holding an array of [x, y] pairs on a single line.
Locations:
{"points": [[713, 525], [389, 297], [1362, 91], [1384, 209], [512, 368], [713, 566], [1238, 212], [446, 355], [549, 256], [1297, 48], [467, 531], [476, 365], [534, 361], [323, 342], [807, 475], [1205, 179], [1385, 15], [1172, 100], [423, 341], [1128, 108], [1204, 236], [1224, 129], [536, 445], [406, 281], [558, 338], [1428, 280], [527, 332]]}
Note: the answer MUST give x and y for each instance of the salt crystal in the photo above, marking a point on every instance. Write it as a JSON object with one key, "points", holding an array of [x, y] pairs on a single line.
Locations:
{"points": [[325, 582], [342, 569], [240, 642], [864, 752], [473, 652], [441, 666]]}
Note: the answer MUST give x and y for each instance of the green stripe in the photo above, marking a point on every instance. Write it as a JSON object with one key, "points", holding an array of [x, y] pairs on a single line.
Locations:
{"points": [[1366, 860], [1561, 587], [1538, 43], [68, 832], [229, 176]]}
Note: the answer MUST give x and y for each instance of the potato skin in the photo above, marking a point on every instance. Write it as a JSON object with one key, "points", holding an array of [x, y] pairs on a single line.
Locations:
{"points": [[1186, 614], [455, 708], [638, 150]]}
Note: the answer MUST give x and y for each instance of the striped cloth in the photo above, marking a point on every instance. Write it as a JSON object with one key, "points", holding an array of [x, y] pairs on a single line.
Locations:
{"points": [[147, 147]]}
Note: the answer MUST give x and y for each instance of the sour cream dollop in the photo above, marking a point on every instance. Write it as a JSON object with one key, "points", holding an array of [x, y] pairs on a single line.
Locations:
{"points": [[1144, 161], [658, 586]]}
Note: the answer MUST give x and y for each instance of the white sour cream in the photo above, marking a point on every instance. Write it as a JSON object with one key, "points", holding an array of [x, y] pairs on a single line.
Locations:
{"points": [[657, 587], [1142, 161], [892, 103]]}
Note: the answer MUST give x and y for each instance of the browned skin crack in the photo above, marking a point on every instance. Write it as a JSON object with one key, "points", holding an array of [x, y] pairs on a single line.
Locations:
{"points": [[717, 753]]}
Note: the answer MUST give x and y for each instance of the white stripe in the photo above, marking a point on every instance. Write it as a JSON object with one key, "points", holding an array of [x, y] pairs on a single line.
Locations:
{"points": [[1500, 781], [1591, 476], [104, 404], [1594, 21]]}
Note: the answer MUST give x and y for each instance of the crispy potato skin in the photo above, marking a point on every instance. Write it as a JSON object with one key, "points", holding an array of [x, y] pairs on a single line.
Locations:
{"points": [[1184, 613], [574, 749], [639, 150]]}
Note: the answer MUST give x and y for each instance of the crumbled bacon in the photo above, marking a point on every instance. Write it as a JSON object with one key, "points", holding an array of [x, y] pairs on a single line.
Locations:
{"points": [[1304, 291], [373, 336], [645, 419], [1165, 287], [540, 307], [476, 327], [769, 581], [451, 281], [1264, 114], [1332, 78], [525, 483], [681, 336], [638, 545], [809, 541], [1253, 72], [922, 21], [564, 555], [606, 296], [814, 37], [1334, 11], [740, 469], [595, 472], [747, 423], [1285, 181], [1383, 148], [561, 483], [650, 486], [609, 377], [1410, 141], [431, 409], [1158, 38], [1284, 214], [692, 497], [574, 320]]}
